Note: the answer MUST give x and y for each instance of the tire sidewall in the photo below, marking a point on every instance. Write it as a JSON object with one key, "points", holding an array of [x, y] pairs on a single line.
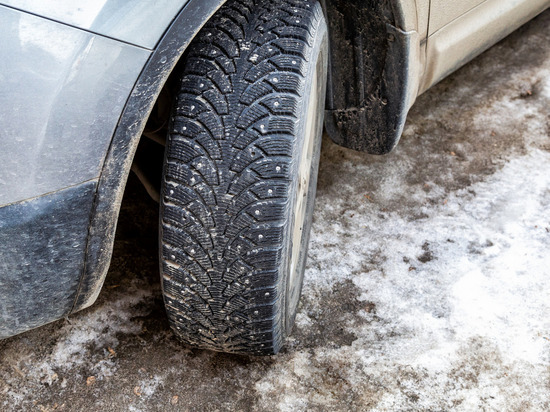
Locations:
{"points": [[318, 55]]}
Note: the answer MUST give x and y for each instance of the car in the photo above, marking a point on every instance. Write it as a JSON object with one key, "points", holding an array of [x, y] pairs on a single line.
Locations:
{"points": [[218, 107]]}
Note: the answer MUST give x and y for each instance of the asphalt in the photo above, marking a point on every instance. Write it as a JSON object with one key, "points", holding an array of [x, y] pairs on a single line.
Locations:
{"points": [[427, 285]]}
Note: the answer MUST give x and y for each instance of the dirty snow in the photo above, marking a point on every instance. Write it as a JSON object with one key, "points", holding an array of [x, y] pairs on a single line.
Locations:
{"points": [[427, 285]]}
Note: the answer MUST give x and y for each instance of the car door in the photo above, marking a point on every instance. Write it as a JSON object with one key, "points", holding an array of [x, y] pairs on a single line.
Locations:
{"points": [[443, 12], [460, 30]]}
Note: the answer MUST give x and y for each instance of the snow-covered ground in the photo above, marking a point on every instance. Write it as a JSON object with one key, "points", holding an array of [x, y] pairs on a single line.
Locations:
{"points": [[427, 287]]}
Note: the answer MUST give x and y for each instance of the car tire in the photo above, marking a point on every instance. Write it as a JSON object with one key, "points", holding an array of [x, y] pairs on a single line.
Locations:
{"points": [[240, 173]]}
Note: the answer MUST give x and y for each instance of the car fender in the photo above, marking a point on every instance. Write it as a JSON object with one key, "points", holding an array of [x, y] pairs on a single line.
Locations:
{"points": [[140, 23], [59, 211], [125, 141]]}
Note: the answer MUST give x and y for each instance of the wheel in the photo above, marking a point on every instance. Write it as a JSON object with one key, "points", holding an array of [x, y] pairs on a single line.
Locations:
{"points": [[240, 173]]}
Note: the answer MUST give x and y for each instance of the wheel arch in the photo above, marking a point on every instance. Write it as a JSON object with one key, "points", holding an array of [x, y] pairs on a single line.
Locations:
{"points": [[119, 157]]}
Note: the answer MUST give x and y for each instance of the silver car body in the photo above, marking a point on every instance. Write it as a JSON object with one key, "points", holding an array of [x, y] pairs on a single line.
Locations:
{"points": [[77, 83], [67, 74]]}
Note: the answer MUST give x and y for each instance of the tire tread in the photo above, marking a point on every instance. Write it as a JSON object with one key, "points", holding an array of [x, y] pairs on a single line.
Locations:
{"points": [[231, 137]]}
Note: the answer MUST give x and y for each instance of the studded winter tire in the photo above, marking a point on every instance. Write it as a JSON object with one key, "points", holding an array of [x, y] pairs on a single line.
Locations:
{"points": [[240, 174]]}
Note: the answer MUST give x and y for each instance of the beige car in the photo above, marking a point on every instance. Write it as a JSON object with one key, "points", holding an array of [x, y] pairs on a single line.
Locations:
{"points": [[218, 107]]}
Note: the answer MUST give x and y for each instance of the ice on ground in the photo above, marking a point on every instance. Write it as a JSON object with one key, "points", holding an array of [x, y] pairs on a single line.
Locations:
{"points": [[461, 300]]}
